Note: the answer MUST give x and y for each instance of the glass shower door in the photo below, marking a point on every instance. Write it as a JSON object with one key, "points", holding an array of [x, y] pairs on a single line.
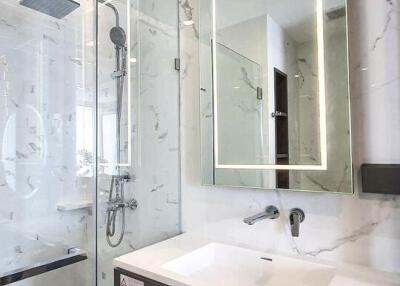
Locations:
{"points": [[70, 199], [240, 116], [138, 128], [47, 89]]}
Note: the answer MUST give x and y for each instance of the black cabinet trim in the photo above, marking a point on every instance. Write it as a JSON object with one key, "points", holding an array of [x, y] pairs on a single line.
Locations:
{"points": [[147, 282]]}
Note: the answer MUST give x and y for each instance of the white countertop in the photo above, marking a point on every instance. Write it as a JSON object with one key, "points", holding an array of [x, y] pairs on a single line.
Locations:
{"points": [[149, 262]]}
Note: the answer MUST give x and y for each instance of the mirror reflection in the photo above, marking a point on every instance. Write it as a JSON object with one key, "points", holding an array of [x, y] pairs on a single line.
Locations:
{"points": [[274, 94]]}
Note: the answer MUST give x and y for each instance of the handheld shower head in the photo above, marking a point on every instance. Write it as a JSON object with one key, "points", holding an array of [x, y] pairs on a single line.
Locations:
{"points": [[118, 36]]}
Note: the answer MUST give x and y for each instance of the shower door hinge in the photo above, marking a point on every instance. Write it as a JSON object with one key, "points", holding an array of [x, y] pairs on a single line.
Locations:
{"points": [[177, 64], [259, 93]]}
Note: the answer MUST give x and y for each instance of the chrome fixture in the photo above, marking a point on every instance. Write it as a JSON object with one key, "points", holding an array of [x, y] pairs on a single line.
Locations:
{"points": [[115, 204], [54, 8], [278, 114], [116, 199], [270, 212], [296, 217]]}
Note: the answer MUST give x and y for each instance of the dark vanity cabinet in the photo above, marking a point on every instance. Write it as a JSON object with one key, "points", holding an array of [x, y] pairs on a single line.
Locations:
{"points": [[126, 278]]}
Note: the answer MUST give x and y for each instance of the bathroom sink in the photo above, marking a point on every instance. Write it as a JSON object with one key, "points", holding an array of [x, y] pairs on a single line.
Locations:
{"points": [[220, 264]]}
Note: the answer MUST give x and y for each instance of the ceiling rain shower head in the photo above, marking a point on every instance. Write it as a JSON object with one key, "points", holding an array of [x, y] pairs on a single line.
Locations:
{"points": [[118, 36], [54, 8]]}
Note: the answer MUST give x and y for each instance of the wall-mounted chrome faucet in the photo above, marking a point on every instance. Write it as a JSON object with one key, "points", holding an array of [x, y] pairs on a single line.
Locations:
{"points": [[270, 212], [296, 217]]}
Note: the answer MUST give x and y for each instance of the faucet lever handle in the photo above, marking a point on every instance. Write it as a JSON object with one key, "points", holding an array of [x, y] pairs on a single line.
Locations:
{"points": [[296, 217]]}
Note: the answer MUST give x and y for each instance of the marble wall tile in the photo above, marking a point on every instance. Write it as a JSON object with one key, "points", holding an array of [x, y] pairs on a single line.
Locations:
{"points": [[355, 228]]}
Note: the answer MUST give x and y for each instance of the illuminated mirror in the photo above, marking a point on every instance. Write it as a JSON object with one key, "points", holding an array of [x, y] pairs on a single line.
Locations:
{"points": [[275, 108]]}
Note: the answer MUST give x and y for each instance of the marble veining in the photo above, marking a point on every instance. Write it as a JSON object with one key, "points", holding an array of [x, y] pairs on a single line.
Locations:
{"points": [[389, 18], [353, 237], [361, 229]]}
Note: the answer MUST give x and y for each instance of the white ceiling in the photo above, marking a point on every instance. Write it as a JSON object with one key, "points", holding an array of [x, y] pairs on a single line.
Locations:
{"points": [[295, 16]]}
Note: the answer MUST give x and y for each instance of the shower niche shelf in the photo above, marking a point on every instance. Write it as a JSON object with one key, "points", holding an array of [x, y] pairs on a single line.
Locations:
{"points": [[73, 206]]}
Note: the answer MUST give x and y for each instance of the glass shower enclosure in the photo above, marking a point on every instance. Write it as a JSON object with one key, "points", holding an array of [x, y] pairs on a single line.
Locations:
{"points": [[89, 136]]}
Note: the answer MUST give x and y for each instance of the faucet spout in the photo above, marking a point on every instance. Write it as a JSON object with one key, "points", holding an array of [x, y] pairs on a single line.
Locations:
{"points": [[270, 212]]}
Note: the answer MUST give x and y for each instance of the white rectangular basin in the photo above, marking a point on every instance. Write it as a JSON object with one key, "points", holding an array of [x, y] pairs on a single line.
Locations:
{"points": [[220, 264]]}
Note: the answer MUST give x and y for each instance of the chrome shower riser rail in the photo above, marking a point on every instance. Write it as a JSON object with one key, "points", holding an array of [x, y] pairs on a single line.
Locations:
{"points": [[74, 256]]}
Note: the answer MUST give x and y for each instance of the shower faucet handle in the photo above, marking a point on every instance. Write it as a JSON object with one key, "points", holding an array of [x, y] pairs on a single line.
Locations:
{"points": [[124, 177], [132, 204]]}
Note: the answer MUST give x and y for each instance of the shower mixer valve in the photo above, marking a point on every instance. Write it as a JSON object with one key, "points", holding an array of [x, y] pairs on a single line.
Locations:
{"points": [[117, 206], [118, 203]]}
